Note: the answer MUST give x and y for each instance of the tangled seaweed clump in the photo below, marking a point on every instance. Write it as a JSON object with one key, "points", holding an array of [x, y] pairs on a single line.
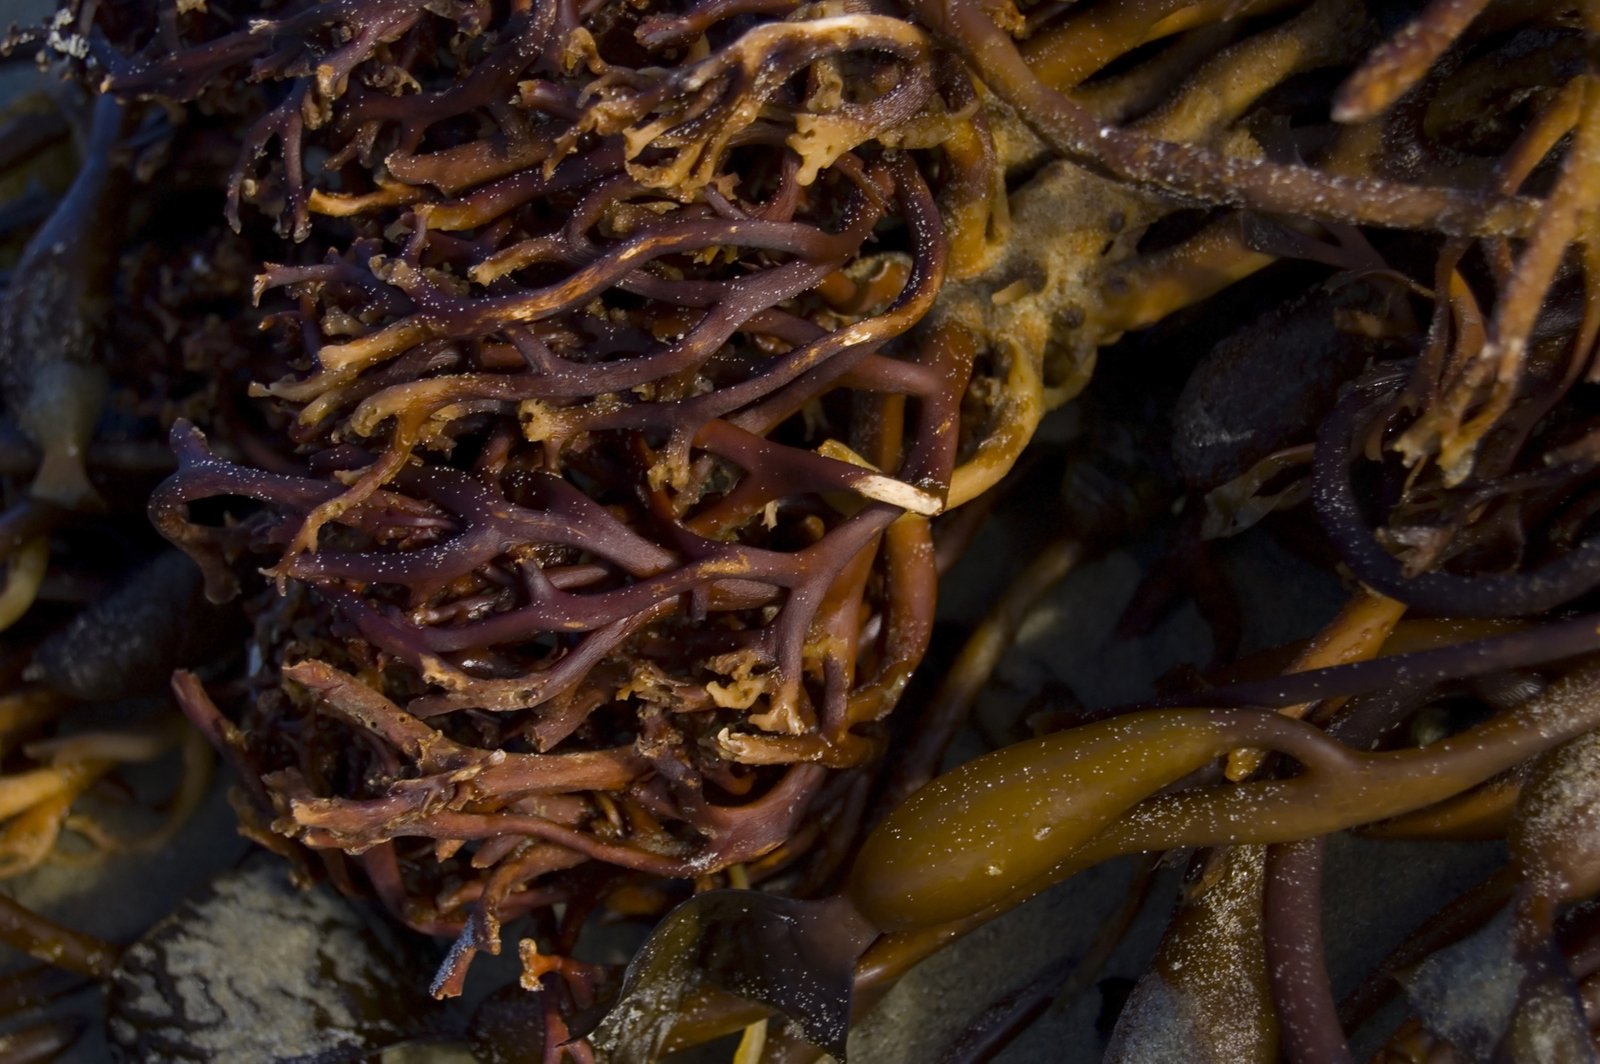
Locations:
{"points": [[626, 375], [613, 468]]}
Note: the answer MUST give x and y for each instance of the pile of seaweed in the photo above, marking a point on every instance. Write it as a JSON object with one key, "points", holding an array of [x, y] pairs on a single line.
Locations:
{"points": [[578, 404]]}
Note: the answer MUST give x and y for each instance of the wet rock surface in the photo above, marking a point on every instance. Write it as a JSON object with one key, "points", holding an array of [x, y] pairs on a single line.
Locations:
{"points": [[256, 970]]}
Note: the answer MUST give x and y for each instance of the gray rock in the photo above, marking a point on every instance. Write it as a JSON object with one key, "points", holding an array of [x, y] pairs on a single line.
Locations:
{"points": [[254, 971]]}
